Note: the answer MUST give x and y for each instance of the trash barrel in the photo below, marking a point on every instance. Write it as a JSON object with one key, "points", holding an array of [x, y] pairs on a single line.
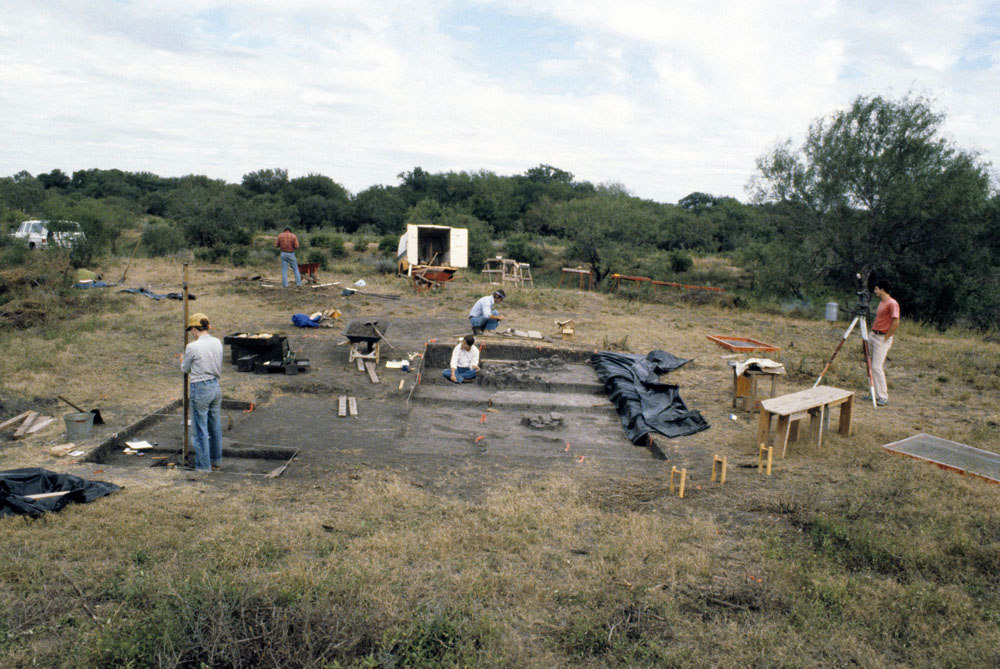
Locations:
{"points": [[78, 426], [831, 311]]}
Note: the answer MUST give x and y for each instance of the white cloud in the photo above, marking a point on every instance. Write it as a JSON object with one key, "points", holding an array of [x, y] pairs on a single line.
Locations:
{"points": [[665, 98]]}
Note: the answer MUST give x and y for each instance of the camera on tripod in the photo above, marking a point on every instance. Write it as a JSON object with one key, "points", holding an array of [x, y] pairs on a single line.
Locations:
{"points": [[864, 298]]}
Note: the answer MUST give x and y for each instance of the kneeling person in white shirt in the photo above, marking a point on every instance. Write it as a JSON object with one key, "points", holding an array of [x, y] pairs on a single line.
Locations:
{"points": [[464, 361]]}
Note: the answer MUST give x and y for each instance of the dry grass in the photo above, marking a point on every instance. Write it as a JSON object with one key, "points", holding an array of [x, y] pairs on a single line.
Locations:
{"points": [[845, 556]]}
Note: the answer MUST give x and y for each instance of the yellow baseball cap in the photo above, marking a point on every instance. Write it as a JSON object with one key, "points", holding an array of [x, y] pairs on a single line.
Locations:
{"points": [[194, 320]]}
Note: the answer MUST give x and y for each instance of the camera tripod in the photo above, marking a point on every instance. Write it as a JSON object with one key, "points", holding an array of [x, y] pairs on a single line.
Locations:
{"points": [[860, 316]]}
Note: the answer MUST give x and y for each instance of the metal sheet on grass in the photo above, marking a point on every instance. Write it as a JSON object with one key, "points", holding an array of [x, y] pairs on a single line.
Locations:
{"points": [[949, 455]]}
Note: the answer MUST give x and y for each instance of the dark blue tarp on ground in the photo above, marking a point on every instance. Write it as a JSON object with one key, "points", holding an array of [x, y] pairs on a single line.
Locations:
{"points": [[644, 404], [16, 483], [304, 321]]}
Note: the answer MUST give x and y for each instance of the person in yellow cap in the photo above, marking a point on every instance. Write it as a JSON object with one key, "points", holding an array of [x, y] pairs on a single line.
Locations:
{"points": [[203, 364]]}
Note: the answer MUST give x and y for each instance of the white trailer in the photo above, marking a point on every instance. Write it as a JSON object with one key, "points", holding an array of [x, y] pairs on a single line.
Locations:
{"points": [[432, 246]]}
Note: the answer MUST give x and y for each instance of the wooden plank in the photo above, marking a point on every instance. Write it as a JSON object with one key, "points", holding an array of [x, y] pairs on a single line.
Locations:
{"points": [[32, 415], [361, 364], [342, 406], [764, 427], [40, 423], [370, 367], [10, 422], [352, 404]]}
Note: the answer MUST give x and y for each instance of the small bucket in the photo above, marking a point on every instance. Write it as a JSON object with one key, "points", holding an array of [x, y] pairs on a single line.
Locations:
{"points": [[831, 311], [78, 426]]}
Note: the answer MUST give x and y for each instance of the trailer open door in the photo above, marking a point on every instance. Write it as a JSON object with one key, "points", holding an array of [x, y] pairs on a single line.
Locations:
{"points": [[459, 254]]}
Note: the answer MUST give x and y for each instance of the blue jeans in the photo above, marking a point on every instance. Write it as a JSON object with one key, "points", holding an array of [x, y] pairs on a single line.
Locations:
{"points": [[206, 424], [485, 323], [461, 373], [288, 259]]}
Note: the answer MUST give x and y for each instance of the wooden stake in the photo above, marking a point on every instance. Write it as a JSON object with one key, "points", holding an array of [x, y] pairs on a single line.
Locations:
{"points": [[716, 460], [760, 458], [401, 382], [683, 477]]}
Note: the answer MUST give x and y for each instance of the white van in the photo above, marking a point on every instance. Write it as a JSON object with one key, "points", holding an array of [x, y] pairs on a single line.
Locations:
{"points": [[39, 236]]}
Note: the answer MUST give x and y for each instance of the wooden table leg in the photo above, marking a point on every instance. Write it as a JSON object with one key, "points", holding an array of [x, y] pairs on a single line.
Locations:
{"points": [[846, 413], [816, 424], [781, 437]]}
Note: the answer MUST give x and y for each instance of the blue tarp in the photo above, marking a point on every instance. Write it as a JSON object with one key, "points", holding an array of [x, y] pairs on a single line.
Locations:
{"points": [[303, 321]]}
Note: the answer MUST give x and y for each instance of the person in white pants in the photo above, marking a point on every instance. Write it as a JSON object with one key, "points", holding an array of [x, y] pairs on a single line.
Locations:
{"points": [[885, 326]]}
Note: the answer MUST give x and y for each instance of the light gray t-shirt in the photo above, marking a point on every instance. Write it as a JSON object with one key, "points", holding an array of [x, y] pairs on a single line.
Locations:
{"points": [[203, 359]]}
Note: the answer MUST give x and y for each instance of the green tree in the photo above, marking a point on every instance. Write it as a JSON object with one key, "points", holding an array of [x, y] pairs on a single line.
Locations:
{"points": [[381, 207], [317, 185], [877, 188], [607, 231], [266, 181], [22, 192], [55, 179]]}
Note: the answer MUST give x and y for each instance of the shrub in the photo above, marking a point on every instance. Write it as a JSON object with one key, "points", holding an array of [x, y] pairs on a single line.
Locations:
{"points": [[160, 239], [337, 249], [380, 264], [14, 252], [320, 240], [239, 256], [388, 245], [680, 261], [211, 253], [322, 257]]}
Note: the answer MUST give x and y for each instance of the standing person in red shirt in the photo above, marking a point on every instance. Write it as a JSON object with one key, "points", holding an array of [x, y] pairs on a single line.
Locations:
{"points": [[885, 325], [288, 242]]}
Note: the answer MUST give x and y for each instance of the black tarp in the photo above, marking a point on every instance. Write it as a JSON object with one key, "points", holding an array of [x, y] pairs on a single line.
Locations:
{"points": [[644, 404], [16, 483]]}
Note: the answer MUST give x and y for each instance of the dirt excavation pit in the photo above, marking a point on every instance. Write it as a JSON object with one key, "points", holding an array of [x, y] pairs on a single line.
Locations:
{"points": [[534, 407]]}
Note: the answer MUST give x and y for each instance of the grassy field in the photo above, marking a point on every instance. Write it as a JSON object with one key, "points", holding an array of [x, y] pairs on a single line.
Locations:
{"points": [[846, 556]]}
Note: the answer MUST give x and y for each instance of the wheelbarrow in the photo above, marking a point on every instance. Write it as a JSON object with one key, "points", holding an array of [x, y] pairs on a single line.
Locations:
{"points": [[367, 333]]}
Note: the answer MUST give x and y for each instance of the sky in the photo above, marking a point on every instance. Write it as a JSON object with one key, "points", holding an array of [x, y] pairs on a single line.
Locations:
{"points": [[662, 97]]}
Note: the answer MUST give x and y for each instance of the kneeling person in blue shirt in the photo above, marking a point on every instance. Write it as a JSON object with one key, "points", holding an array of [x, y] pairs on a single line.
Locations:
{"points": [[464, 361], [483, 316]]}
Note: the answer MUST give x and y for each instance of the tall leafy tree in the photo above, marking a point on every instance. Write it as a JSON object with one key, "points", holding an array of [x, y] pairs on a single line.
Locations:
{"points": [[876, 187], [607, 231], [266, 181]]}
